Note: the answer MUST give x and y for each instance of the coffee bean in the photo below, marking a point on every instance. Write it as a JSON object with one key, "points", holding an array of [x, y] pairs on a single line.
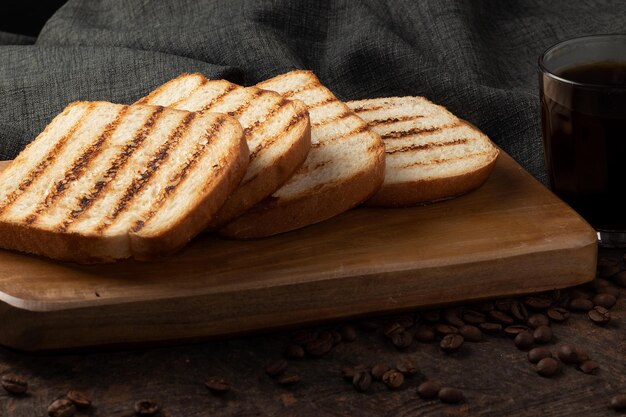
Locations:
{"points": [[504, 304], [588, 367], [569, 354], [538, 353], [79, 398], [484, 307], [614, 291], [407, 366], [618, 402], [473, 317], [581, 354], [336, 337], [393, 379], [471, 333], [558, 314], [318, 347], [490, 328], [277, 367], [326, 335], [451, 395], [606, 271], [619, 279], [362, 381], [543, 334], [217, 385], [451, 343], [581, 304], [425, 334], [519, 312], [290, 379], [348, 372], [146, 408], [428, 390], [604, 300], [405, 321], [524, 340], [600, 282], [14, 384], [378, 370], [547, 367], [501, 317], [451, 316], [402, 340], [392, 328], [303, 337], [537, 320], [538, 303], [348, 333], [294, 351], [65, 408], [430, 316], [599, 315], [514, 330], [445, 329]]}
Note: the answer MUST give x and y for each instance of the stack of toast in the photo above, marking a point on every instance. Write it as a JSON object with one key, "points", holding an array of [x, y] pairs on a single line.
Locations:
{"points": [[105, 181]]}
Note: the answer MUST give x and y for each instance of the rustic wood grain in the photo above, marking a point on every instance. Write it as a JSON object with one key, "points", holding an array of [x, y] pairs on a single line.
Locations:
{"points": [[496, 377], [511, 236]]}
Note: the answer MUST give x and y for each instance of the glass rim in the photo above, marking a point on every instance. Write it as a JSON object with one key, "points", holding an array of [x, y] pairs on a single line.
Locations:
{"points": [[544, 69]]}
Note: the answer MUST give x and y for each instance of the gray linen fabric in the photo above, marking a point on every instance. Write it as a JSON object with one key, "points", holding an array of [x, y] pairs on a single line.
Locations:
{"points": [[478, 58]]}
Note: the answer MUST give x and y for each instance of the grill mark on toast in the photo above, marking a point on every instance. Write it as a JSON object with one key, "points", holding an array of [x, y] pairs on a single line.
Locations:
{"points": [[267, 117], [246, 104], [78, 168], [161, 155], [365, 108], [441, 161], [323, 103], [390, 120], [87, 200], [269, 142], [418, 131], [49, 159], [218, 98], [342, 115], [309, 86], [427, 146], [182, 173], [357, 130], [192, 92]]}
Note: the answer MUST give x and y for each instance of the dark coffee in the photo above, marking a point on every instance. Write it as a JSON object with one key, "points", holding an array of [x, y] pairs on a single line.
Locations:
{"points": [[584, 131]]}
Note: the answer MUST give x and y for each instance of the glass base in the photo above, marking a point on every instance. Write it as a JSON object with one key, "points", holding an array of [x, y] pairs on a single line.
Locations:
{"points": [[608, 239]]}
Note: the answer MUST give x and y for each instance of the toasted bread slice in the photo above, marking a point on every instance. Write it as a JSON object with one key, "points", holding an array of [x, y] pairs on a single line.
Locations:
{"points": [[106, 181], [277, 131], [344, 167], [431, 154]]}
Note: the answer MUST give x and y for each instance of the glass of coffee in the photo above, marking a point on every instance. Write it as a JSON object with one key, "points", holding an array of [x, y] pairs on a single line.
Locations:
{"points": [[582, 85]]}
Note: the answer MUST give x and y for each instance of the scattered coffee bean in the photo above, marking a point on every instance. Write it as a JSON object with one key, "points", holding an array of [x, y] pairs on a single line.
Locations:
{"points": [[425, 334], [514, 330], [473, 317], [392, 328], [547, 367], [504, 304], [618, 402], [599, 315], [524, 340], [146, 408], [402, 340], [604, 300], [65, 408], [451, 343], [378, 370], [362, 381], [445, 329], [599, 283], [484, 307], [348, 333], [519, 312], [501, 317], [543, 334], [325, 335], [581, 304], [619, 279], [569, 354], [303, 337], [614, 291], [217, 385], [407, 366], [538, 353], [405, 321], [430, 316], [451, 316], [14, 384], [581, 354], [347, 372], [451, 395], [490, 328], [606, 271], [471, 333], [537, 320], [336, 337], [538, 303], [290, 379], [79, 398], [294, 351], [558, 314], [588, 367], [393, 379], [318, 347], [277, 367], [428, 389]]}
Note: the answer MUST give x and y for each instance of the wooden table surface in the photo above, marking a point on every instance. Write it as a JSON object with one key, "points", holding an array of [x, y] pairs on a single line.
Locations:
{"points": [[496, 377]]}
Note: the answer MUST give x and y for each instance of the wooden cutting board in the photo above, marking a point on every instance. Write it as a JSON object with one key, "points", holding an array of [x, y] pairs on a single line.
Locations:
{"points": [[509, 237]]}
